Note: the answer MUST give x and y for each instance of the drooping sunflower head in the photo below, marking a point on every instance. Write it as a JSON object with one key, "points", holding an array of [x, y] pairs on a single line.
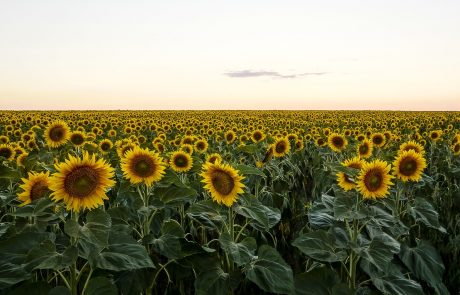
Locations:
{"points": [[374, 180], [365, 148], [20, 160], [337, 142], [105, 145], [223, 182], [57, 134], [378, 139], [77, 138], [345, 181], [213, 158], [81, 182], [7, 152], [281, 147], [409, 165], [142, 166], [201, 146], [257, 136], [412, 145], [35, 186], [181, 161]]}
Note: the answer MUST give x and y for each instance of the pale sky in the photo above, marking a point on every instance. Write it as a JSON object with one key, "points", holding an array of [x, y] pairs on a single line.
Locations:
{"points": [[239, 54]]}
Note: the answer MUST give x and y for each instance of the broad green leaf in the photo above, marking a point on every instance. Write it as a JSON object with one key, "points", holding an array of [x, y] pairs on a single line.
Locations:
{"points": [[397, 285], [39, 288], [424, 212], [270, 272], [320, 281], [263, 216], [208, 213], [345, 207], [249, 170], [426, 264], [241, 253], [175, 194], [380, 251], [101, 286], [212, 281], [320, 245]]}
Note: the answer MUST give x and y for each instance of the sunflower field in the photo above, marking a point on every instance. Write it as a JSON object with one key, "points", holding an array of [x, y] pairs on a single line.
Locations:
{"points": [[229, 202]]}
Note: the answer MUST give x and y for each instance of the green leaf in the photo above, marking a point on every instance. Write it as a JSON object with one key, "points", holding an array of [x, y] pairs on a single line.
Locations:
{"points": [[264, 217], [345, 207], [208, 213], [397, 285], [320, 281], [320, 245], [39, 288], [101, 286], [380, 252], [250, 149], [426, 264], [213, 281], [424, 212], [249, 170], [270, 272], [175, 194], [59, 290], [93, 236], [122, 253], [241, 253], [9, 173]]}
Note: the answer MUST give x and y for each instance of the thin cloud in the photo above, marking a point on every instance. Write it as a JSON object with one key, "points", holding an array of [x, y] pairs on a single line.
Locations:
{"points": [[252, 74]]}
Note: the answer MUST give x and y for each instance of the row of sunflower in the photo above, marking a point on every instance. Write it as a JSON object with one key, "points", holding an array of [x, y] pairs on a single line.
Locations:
{"points": [[216, 202]]}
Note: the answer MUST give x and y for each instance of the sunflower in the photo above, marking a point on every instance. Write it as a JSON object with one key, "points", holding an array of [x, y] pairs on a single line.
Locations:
{"points": [[409, 165], [124, 148], [21, 158], [181, 161], [141, 165], [230, 136], [299, 145], [337, 142], [320, 141], [223, 182], [188, 148], [435, 135], [57, 134], [411, 145], [77, 138], [456, 149], [281, 147], [344, 180], [257, 136], [36, 186], [365, 148], [7, 152], [213, 158], [201, 146], [81, 182], [105, 145], [378, 139], [374, 179]]}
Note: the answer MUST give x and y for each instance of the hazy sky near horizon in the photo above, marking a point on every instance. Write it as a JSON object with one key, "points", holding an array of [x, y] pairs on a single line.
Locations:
{"points": [[333, 54]]}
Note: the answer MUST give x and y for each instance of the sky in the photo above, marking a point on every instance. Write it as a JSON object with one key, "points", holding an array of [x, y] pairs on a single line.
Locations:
{"points": [[239, 54]]}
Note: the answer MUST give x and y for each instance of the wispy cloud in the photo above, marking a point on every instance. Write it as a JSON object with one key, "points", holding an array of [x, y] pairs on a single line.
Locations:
{"points": [[252, 74]]}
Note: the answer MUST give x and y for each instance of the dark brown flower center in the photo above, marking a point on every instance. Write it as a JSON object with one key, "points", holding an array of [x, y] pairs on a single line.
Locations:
{"points": [[257, 136], [373, 180], [105, 146], [229, 136], [6, 152], [143, 166], [56, 133], [200, 145], [457, 148], [408, 166], [223, 182], [377, 139], [280, 147], [81, 182], [181, 161], [363, 149], [38, 190], [77, 139], [338, 141]]}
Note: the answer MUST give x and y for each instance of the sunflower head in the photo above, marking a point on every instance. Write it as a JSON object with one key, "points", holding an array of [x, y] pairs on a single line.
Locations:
{"points": [[77, 138], [188, 148], [409, 165], [345, 181], [7, 152], [378, 139], [223, 182], [213, 158], [35, 186], [281, 147], [374, 179], [456, 149], [105, 145], [337, 142], [57, 134], [81, 183], [412, 145], [365, 148], [142, 166], [201, 146], [257, 136], [181, 161]]}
